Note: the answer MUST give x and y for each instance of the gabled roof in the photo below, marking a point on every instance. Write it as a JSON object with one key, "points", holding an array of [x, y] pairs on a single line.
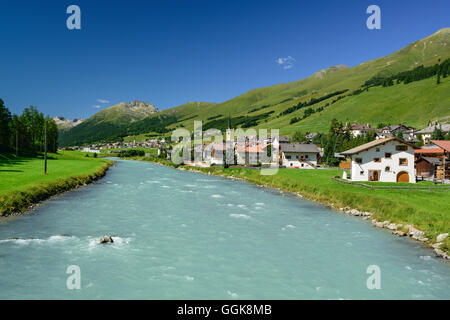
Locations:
{"points": [[375, 143], [298, 147], [430, 129], [444, 144], [436, 161]]}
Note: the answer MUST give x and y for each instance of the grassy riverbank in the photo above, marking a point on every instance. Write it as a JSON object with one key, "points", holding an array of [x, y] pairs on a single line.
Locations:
{"points": [[23, 183], [426, 210]]}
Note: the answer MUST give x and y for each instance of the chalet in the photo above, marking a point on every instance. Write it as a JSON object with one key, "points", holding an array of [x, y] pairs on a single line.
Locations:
{"points": [[357, 129], [387, 160], [408, 133], [299, 155], [427, 132]]}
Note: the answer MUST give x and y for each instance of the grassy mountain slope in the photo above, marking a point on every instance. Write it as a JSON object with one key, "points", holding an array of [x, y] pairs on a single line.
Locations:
{"points": [[414, 103], [107, 123]]}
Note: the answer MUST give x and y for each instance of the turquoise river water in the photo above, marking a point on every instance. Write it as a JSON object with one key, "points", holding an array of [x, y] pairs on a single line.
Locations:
{"points": [[184, 235]]}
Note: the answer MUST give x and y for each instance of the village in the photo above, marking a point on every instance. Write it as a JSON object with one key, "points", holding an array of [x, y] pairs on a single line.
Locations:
{"points": [[398, 153]]}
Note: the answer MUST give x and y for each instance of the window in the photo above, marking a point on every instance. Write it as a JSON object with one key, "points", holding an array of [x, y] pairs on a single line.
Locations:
{"points": [[376, 159], [288, 157], [377, 149], [403, 162], [358, 160], [388, 155], [303, 165], [401, 148], [361, 172], [306, 156], [387, 169]]}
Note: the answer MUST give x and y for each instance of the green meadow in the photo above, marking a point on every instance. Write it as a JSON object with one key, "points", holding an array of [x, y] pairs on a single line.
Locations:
{"points": [[23, 182]]}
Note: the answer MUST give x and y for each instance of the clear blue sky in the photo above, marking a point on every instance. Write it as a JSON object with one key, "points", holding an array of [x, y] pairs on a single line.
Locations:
{"points": [[170, 52]]}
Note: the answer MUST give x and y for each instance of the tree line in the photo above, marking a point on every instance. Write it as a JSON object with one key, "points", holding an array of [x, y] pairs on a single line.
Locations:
{"points": [[25, 134], [419, 73], [338, 138]]}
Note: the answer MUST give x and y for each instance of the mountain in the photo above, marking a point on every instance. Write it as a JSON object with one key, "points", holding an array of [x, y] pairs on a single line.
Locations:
{"points": [[353, 94], [64, 124], [107, 123]]}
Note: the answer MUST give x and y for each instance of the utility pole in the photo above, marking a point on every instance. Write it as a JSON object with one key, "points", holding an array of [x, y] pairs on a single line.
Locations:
{"points": [[45, 148], [17, 142]]}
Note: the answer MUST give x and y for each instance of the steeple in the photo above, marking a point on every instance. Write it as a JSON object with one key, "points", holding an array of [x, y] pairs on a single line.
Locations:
{"points": [[228, 135]]}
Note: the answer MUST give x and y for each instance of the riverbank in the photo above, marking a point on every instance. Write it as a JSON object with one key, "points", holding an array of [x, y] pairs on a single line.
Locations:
{"points": [[23, 183], [422, 215]]}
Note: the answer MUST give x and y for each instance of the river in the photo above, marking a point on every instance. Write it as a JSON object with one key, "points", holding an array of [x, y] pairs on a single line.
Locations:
{"points": [[185, 235]]}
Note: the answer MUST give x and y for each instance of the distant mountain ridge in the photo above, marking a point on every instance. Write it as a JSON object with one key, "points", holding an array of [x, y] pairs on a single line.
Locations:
{"points": [[106, 123], [64, 123]]}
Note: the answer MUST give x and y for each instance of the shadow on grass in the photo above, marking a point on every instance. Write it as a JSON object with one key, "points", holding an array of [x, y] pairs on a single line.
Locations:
{"points": [[11, 170], [8, 159]]}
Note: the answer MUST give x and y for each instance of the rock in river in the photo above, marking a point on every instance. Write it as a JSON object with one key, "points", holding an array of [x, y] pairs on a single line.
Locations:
{"points": [[106, 239]]}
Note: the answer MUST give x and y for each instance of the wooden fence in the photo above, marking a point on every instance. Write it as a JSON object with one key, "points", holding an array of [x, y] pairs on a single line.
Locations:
{"points": [[379, 187]]}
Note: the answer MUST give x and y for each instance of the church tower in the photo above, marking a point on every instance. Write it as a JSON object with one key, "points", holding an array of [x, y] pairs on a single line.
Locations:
{"points": [[228, 135]]}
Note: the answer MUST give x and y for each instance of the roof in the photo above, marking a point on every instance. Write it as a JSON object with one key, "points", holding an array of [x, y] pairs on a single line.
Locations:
{"points": [[430, 129], [444, 144], [397, 127], [375, 143], [253, 149], [284, 138], [357, 126], [429, 150], [298, 147], [437, 161]]}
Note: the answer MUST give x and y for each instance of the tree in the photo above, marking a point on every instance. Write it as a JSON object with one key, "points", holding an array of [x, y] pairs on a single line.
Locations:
{"points": [[52, 135], [438, 134], [5, 127], [298, 136]]}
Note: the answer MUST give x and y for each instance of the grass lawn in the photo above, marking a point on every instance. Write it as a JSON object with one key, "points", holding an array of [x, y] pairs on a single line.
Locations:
{"points": [[426, 210], [23, 182], [19, 174]]}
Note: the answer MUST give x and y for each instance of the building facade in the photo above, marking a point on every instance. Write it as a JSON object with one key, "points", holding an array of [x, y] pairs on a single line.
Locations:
{"points": [[385, 160]]}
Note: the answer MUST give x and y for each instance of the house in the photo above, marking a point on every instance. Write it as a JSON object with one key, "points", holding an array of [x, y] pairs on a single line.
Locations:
{"points": [[88, 149], [387, 160], [443, 170], [311, 136], [357, 129], [250, 154], [427, 132], [282, 139], [214, 153], [408, 133], [299, 155], [427, 167]]}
